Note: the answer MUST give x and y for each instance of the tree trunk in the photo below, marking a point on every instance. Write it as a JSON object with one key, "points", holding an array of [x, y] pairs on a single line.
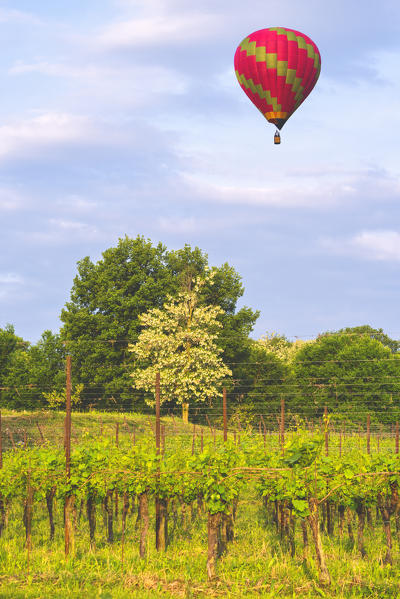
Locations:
{"points": [[109, 512], [314, 525], [214, 521], [360, 528], [230, 527], [275, 515], [349, 518], [2, 515], [161, 524], [125, 510], [49, 502], [27, 517], [143, 523], [330, 520], [292, 534], [341, 511], [305, 539], [69, 536], [387, 530], [91, 515], [222, 540]]}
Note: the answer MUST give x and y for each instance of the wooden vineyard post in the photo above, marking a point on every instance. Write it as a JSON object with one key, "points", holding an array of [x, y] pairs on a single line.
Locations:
{"points": [[264, 431], [2, 505], [225, 415], [326, 430], [42, 439], [162, 439], [160, 504], [213, 525], [201, 441], [185, 413], [69, 499], [158, 413], [28, 518], [1, 443], [117, 445], [397, 437], [193, 438], [282, 426], [368, 433]]}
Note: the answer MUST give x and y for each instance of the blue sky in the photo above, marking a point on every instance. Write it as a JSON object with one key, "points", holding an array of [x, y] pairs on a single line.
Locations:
{"points": [[125, 117]]}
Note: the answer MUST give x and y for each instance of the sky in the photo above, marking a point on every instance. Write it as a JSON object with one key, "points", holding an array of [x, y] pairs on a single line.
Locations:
{"points": [[124, 117]]}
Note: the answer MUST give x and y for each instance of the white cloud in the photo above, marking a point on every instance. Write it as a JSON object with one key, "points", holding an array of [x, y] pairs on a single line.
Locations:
{"points": [[378, 245], [62, 231], [10, 279], [383, 245], [46, 129], [77, 203], [290, 194], [157, 30], [133, 85], [9, 284], [178, 225], [10, 200], [17, 16]]}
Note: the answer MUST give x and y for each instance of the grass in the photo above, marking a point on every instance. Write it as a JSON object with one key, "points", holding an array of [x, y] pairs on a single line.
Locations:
{"points": [[50, 424], [257, 564]]}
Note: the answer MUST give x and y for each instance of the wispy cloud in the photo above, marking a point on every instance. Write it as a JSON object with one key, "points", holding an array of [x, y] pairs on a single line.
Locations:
{"points": [[383, 245], [158, 30], [18, 16], [48, 129], [10, 284], [59, 231], [137, 85], [287, 195], [11, 199], [10, 279]]}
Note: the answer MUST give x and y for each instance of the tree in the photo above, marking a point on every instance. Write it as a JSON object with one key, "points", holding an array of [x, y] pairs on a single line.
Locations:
{"points": [[378, 334], [281, 346], [33, 370], [107, 298], [9, 344], [179, 342], [263, 380], [352, 374]]}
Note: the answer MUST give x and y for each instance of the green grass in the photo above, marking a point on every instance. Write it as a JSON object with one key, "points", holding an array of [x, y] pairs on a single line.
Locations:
{"points": [[17, 425], [258, 563]]}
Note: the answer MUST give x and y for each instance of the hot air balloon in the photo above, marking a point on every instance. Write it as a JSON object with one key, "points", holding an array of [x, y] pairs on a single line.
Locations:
{"points": [[277, 68]]}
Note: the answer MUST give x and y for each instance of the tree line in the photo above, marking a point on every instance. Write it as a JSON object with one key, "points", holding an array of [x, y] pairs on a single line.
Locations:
{"points": [[352, 371]]}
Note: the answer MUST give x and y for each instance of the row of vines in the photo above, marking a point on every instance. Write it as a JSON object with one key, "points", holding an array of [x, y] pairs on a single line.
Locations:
{"points": [[300, 489]]}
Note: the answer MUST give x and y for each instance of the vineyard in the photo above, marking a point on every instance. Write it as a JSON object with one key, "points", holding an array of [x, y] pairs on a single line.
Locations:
{"points": [[309, 496]]}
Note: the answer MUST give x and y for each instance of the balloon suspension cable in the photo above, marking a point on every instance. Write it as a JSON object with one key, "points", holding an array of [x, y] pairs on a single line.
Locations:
{"points": [[277, 138]]}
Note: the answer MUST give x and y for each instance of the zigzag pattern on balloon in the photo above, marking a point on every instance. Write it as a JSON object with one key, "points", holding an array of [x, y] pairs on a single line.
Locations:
{"points": [[277, 68]]}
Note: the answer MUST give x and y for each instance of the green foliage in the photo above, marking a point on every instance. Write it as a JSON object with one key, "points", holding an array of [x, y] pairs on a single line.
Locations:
{"points": [[377, 334], [31, 370], [57, 399], [108, 297], [179, 342], [249, 479], [350, 373], [262, 380], [9, 344]]}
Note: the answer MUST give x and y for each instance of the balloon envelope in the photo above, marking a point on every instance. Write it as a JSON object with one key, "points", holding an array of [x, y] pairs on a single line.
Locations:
{"points": [[277, 68]]}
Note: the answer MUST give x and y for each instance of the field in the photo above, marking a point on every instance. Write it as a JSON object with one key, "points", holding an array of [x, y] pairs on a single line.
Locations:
{"points": [[266, 499]]}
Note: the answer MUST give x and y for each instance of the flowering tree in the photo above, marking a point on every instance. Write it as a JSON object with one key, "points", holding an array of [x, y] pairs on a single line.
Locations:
{"points": [[179, 342]]}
